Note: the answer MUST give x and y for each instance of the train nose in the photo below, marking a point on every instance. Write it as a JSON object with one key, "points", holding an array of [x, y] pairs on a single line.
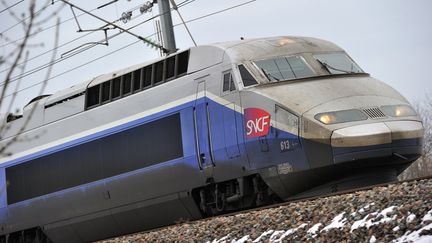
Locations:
{"points": [[393, 139]]}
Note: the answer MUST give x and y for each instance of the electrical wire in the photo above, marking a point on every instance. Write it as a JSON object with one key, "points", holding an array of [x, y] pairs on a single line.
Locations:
{"points": [[44, 29], [24, 19], [43, 66], [13, 5], [184, 3], [175, 7], [135, 42], [79, 66]]}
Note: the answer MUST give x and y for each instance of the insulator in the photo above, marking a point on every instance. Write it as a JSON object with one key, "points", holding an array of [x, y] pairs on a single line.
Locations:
{"points": [[146, 7], [126, 16]]}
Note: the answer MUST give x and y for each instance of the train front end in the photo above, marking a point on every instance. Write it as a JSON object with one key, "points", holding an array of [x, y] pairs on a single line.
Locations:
{"points": [[332, 126]]}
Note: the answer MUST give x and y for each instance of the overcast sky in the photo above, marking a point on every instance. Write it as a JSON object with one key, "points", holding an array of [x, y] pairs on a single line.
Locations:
{"points": [[390, 39]]}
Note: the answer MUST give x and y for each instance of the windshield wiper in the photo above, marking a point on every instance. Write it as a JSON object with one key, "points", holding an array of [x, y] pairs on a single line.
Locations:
{"points": [[328, 67], [268, 75]]}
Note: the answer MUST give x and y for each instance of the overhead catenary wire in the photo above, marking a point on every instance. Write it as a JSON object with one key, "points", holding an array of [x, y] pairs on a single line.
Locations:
{"points": [[181, 18], [61, 45], [130, 44], [42, 30], [43, 66], [26, 18], [11, 6], [184, 3], [115, 25]]}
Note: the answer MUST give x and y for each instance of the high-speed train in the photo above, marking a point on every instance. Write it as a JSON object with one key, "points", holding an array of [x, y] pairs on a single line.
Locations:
{"points": [[204, 131]]}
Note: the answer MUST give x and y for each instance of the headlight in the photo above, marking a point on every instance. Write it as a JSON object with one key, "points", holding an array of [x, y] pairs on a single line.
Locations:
{"points": [[340, 116], [398, 110]]}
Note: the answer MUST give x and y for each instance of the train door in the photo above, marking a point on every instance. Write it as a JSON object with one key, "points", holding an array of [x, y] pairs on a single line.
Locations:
{"points": [[203, 136], [230, 119], [287, 130]]}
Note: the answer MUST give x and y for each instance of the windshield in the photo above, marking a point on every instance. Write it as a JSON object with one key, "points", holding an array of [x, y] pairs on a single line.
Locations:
{"points": [[337, 63], [285, 68]]}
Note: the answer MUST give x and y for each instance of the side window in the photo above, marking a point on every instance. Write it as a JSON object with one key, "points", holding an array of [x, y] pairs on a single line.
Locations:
{"points": [[286, 121], [228, 82], [170, 68], [115, 92], [158, 72], [93, 96], [247, 78], [147, 77], [106, 86], [127, 83], [137, 80]]}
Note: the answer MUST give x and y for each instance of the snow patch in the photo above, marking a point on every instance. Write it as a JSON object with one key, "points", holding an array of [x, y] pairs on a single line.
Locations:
{"points": [[410, 218], [263, 235], [396, 228], [415, 236], [337, 222], [276, 234], [289, 232], [371, 219], [223, 239], [427, 217], [372, 239], [366, 207], [312, 231], [242, 240]]}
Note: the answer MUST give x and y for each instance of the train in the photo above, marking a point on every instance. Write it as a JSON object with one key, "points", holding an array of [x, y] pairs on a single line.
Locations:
{"points": [[204, 131]]}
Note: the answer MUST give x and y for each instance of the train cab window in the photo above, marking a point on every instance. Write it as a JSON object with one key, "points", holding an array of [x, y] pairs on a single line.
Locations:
{"points": [[127, 83], [93, 96], [228, 82], [284, 68], [116, 84], [337, 63], [137, 80], [147, 76], [182, 63], [247, 78], [158, 72], [106, 91], [299, 67], [170, 68]]}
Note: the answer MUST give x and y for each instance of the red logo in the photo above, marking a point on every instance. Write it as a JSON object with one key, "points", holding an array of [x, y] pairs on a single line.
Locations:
{"points": [[257, 122]]}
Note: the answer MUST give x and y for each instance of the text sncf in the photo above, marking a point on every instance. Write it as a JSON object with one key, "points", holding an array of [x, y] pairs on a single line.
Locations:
{"points": [[257, 122]]}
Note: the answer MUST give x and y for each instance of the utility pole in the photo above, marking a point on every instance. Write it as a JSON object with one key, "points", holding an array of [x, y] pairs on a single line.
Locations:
{"points": [[167, 26]]}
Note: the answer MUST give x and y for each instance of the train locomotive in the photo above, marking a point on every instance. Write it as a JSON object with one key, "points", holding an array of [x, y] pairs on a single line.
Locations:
{"points": [[204, 131]]}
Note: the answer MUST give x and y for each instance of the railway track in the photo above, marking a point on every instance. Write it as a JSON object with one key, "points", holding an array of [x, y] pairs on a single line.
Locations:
{"points": [[277, 205]]}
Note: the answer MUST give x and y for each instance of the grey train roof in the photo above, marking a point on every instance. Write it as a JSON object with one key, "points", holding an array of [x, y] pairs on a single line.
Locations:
{"points": [[207, 55]]}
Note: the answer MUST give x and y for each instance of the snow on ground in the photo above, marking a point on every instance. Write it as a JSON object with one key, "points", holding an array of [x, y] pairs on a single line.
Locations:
{"points": [[416, 236], [340, 221], [372, 219], [337, 222]]}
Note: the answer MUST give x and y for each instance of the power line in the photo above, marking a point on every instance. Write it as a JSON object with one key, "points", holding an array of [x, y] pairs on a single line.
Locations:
{"points": [[79, 66], [24, 19], [46, 52], [13, 5], [217, 12], [62, 45], [130, 44], [42, 30], [184, 3], [43, 66]]}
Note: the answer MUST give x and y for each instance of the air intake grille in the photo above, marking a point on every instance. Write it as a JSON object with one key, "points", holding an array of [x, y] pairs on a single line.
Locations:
{"points": [[374, 112]]}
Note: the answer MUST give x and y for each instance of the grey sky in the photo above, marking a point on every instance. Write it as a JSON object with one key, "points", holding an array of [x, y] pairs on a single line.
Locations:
{"points": [[390, 39]]}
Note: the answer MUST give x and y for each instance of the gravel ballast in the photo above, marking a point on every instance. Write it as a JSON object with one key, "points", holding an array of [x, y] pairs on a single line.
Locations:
{"points": [[394, 213]]}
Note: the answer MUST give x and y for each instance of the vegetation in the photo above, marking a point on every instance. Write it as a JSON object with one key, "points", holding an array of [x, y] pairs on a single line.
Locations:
{"points": [[423, 166]]}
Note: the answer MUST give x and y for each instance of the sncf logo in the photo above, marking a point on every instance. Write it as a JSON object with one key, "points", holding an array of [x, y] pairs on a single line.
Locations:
{"points": [[257, 122]]}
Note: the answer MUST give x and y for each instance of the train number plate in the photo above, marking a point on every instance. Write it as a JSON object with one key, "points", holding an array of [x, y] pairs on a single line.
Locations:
{"points": [[285, 145]]}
